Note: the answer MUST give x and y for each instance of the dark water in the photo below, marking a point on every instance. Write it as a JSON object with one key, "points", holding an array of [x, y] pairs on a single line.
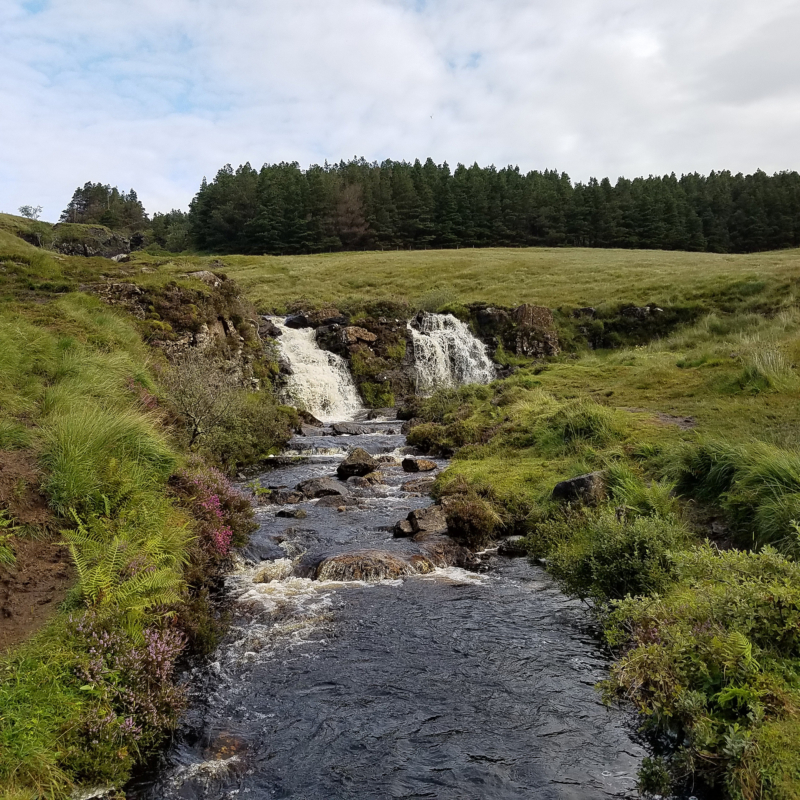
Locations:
{"points": [[449, 685]]}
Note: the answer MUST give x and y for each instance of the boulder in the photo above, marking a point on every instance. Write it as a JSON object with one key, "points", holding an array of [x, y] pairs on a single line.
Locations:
{"points": [[421, 485], [371, 565], [513, 547], [418, 465], [367, 481], [292, 513], [354, 335], [336, 501], [589, 488], [287, 497], [268, 329], [297, 321], [444, 551], [310, 430], [350, 429], [207, 277], [403, 529], [321, 487], [428, 520], [358, 462]]}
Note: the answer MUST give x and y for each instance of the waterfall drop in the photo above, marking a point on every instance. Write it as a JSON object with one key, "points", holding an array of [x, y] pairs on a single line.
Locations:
{"points": [[446, 354], [321, 382]]}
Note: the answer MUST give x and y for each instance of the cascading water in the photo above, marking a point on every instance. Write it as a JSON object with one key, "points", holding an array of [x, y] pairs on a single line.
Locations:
{"points": [[446, 354], [321, 382]]}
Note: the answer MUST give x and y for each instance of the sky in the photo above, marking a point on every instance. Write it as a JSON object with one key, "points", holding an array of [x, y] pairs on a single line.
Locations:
{"points": [[155, 94]]}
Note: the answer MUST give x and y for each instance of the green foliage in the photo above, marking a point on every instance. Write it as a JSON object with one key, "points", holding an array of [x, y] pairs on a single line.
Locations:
{"points": [[713, 659], [629, 489], [100, 203], [605, 557], [471, 519], [7, 557], [377, 395]]}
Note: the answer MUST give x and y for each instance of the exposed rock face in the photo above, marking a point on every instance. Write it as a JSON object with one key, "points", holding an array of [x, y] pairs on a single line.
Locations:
{"points": [[589, 488], [536, 332], [321, 487], [350, 429], [418, 465], [372, 565], [88, 241], [358, 462], [267, 329]]}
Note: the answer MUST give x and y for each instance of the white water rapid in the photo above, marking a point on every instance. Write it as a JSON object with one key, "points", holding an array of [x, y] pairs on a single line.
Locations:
{"points": [[446, 354], [321, 382]]}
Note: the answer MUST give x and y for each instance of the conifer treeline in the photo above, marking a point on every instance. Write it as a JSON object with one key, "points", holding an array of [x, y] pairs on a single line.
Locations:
{"points": [[355, 205]]}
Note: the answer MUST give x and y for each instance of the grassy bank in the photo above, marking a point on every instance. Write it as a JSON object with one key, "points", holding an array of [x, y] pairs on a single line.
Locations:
{"points": [[694, 439], [102, 483]]}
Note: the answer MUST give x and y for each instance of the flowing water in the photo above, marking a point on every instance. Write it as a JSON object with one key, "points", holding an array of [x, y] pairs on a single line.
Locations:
{"points": [[450, 684], [321, 382], [446, 354]]}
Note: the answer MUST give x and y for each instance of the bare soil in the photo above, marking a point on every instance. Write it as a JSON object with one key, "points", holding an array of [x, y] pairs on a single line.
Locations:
{"points": [[31, 591]]}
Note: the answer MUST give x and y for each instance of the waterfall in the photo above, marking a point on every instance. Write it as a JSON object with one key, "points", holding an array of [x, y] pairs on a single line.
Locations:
{"points": [[321, 382], [446, 354]]}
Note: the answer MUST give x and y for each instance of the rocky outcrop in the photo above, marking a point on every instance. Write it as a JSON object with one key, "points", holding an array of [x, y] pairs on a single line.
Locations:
{"points": [[589, 488], [358, 463], [526, 331], [88, 241]]}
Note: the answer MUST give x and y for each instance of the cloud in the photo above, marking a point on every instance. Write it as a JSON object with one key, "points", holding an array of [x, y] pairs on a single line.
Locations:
{"points": [[153, 95]]}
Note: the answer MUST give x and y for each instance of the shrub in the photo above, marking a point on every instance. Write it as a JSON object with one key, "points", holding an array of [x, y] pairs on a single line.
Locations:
{"points": [[610, 558], [471, 520]]}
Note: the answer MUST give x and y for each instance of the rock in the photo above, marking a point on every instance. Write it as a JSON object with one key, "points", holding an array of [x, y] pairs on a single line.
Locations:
{"points": [[308, 418], [513, 547], [403, 529], [292, 513], [421, 485], [207, 277], [536, 331], [387, 460], [310, 430], [418, 465], [268, 329], [122, 258], [335, 320], [428, 520], [587, 311], [444, 551], [350, 429], [297, 321], [588, 488], [258, 549], [367, 481], [321, 487], [88, 241], [286, 497], [336, 501], [372, 565], [279, 569], [358, 462], [354, 335], [406, 427]]}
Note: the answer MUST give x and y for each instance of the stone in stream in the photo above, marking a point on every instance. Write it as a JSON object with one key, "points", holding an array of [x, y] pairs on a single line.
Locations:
{"points": [[358, 462], [418, 465], [310, 430], [372, 565], [350, 429], [286, 497], [321, 487], [403, 529], [367, 481], [444, 551], [292, 513], [588, 488], [421, 485], [428, 520], [335, 501]]}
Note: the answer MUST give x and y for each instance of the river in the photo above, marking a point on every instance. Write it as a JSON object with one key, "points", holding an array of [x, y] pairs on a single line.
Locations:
{"points": [[453, 684]]}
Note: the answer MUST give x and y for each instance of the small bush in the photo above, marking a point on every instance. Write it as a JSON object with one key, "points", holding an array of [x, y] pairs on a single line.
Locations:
{"points": [[610, 558], [472, 521]]}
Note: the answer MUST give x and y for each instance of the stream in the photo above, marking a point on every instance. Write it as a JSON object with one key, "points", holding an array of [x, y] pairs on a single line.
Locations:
{"points": [[451, 684]]}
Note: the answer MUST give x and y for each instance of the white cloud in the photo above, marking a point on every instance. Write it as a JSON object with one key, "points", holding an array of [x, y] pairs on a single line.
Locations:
{"points": [[154, 94]]}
